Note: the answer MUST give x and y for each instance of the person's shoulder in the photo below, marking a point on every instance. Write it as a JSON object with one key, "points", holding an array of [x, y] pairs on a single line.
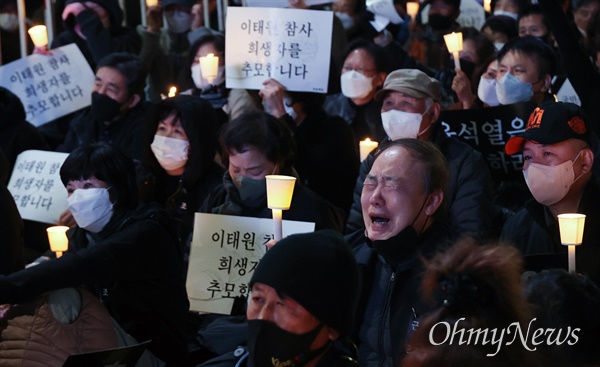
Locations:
{"points": [[237, 358]]}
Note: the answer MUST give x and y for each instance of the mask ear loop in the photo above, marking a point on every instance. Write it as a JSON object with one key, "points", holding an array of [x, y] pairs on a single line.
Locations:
{"points": [[428, 126], [417, 216]]}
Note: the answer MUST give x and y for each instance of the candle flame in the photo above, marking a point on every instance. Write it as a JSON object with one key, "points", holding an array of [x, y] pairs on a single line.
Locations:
{"points": [[172, 92]]}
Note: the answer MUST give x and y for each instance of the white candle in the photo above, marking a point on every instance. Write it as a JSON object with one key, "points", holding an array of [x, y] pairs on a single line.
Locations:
{"points": [[38, 35], [280, 190], [366, 146], [150, 3], [209, 66], [57, 236], [571, 227], [172, 92], [412, 9], [454, 42], [487, 5]]}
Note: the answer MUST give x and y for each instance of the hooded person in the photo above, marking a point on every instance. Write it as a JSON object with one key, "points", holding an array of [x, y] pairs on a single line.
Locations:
{"points": [[96, 28], [304, 293]]}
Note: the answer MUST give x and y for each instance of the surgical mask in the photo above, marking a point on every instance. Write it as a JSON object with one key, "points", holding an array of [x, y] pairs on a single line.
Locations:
{"points": [[253, 192], [486, 91], [356, 85], [506, 13], [271, 346], [170, 153], [289, 109], [178, 21], [550, 184], [91, 208], [400, 124], [202, 83], [9, 22], [498, 45], [346, 19], [510, 89], [104, 108]]}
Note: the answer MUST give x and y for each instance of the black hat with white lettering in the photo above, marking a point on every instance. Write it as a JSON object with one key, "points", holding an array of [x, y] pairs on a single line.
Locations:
{"points": [[551, 123]]}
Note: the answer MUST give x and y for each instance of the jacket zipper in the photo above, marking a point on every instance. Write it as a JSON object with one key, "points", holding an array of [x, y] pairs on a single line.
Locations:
{"points": [[384, 318]]}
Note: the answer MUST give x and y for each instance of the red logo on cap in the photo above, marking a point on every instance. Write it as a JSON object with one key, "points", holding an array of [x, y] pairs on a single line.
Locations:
{"points": [[535, 119], [577, 125]]}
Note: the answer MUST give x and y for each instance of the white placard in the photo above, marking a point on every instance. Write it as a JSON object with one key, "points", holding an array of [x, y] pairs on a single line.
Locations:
{"points": [[225, 250], [50, 86], [281, 3], [472, 14], [567, 93], [292, 46], [36, 186]]}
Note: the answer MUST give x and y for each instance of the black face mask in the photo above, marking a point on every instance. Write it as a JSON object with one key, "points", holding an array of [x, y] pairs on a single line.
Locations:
{"points": [[271, 346], [440, 22], [104, 108]]}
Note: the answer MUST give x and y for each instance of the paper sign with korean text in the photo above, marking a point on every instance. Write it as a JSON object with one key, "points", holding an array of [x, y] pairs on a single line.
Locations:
{"points": [[292, 46], [487, 130], [36, 186], [50, 86], [225, 251]]}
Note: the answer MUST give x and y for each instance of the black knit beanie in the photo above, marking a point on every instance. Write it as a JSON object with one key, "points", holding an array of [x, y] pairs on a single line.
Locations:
{"points": [[318, 271]]}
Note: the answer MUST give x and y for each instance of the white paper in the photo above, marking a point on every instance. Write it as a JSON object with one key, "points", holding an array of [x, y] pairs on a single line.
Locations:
{"points": [[472, 14], [36, 186], [567, 93], [50, 86], [225, 250], [281, 3], [292, 46]]}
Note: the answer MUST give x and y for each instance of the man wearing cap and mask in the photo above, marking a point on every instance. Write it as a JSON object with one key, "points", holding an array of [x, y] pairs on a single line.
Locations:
{"points": [[303, 299], [557, 166], [165, 51], [410, 110]]}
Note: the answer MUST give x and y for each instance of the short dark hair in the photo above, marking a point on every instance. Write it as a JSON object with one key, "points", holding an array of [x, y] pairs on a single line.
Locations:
{"points": [[217, 40], [107, 163], [259, 130], [131, 67], [375, 51], [542, 54], [503, 24], [535, 9]]}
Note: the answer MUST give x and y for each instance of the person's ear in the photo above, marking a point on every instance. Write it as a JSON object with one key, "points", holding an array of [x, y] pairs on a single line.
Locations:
{"points": [[546, 83], [135, 99], [587, 158], [434, 202], [380, 79], [435, 110], [332, 334]]}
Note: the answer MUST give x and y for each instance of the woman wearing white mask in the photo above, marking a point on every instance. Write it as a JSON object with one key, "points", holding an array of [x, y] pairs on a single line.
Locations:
{"points": [[122, 252], [363, 73], [180, 157], [525, 70], [229, 103]]}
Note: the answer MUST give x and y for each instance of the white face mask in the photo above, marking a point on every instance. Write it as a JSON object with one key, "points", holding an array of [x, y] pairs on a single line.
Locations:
{"points": [[507, 13], [498, 45], [399, 124], [289, 109], [170, 153], [346, 19], [178, 21], [91, 208], [9, 22], [550, 184], [486, 91], [510, 89], [356, 85], [202, 83]]}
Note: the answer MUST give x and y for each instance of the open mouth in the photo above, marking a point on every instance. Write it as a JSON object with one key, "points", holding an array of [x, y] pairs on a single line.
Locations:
{"points": [[379, 220]]}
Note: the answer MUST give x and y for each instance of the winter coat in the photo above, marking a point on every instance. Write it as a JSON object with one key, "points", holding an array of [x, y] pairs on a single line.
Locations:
{"points": [[364, 120], [534, 230], [468, 196], [133, 265]]}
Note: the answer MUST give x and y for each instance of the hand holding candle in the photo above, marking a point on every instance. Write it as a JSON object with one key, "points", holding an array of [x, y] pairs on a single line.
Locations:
{"points": [[366, 146], [571, 234], [57, 236], [209, 67], [454, 42], [279, 197]]}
